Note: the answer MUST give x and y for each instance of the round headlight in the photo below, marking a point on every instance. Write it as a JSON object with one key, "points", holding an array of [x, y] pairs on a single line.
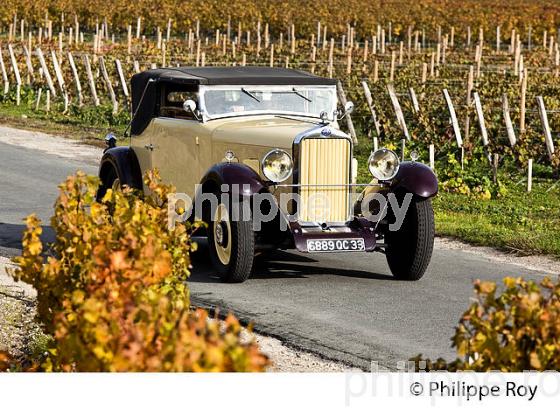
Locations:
{"points": [[277, 165], [383, 164]]}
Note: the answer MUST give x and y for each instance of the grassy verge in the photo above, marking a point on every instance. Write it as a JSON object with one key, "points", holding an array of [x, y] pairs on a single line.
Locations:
{"points": [[88, 123], [86, 134], [519, 222]]}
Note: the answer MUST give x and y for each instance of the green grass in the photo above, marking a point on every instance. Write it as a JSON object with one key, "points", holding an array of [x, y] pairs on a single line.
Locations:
{"points": [[87, 123], [525, 223]]}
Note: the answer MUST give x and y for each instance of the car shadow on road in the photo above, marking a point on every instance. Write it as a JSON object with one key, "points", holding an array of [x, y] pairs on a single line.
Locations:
{"points": [[12, 234], [276, 265]]}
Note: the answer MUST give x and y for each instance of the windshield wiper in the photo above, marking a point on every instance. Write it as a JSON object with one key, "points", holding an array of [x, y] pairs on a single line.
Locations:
{"points": [[250, 94], [296, 92]]}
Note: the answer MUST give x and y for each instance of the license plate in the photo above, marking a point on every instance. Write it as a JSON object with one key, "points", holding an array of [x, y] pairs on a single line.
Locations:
{"points": [[335, 245]]}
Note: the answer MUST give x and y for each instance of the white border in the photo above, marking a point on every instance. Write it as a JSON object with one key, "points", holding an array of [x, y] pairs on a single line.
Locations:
{"points": [[297, 391]]}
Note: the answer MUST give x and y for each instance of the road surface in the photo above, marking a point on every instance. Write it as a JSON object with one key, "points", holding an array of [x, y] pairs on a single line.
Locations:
{"points": [[343, 307]]}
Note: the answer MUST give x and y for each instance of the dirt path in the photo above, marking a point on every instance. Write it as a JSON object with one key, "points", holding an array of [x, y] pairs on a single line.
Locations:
{"points": [[20, 334], [49, 144]]}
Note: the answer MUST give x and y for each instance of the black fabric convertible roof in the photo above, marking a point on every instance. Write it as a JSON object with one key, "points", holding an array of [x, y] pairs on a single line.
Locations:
{"points": [[143, 83], [235, 76]]}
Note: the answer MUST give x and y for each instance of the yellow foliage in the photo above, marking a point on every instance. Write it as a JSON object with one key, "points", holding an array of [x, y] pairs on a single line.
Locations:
{"points": [[515, 330], [114, 294], [428, 14]]}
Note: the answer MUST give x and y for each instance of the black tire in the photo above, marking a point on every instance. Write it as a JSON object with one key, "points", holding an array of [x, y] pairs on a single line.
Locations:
{"points": [[107, 182], [409, 249], [242, 253]]}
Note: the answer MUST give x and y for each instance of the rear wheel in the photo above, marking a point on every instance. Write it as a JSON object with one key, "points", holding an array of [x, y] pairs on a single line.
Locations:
{"points": [[232, 245], [409, 249]]}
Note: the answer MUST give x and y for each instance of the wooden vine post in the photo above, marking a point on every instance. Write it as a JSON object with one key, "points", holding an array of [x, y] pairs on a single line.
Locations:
{"points": [[529, 175], [546, 127], [522, 105], [414, 100], [46, 73], [76, 79], [349, 123], [431, 154], [470, 83], [91, 81], [480, 116], [369, 100], [58, 73], [453, 115], [107, 80], [392, 70], [507, 118], [122, 80], [331, 57], [398, 111], [16, 73], [29, 64]]}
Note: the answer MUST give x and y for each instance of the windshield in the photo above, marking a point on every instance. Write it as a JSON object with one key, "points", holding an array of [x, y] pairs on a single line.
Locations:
{"points": [[222, 101]]}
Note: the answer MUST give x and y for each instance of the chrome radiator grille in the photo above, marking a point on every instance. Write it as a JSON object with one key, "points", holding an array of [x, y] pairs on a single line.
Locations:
{"points": [[324, 161]]}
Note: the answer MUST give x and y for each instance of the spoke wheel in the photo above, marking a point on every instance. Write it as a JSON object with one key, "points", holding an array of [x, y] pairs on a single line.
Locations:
{"points": [[232, 244], [222, 234]]}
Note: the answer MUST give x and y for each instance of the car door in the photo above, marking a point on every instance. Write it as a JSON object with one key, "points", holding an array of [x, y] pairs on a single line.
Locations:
{"points": [[141, 145], [178, 150]]}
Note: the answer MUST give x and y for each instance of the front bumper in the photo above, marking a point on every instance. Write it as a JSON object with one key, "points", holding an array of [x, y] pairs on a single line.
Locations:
{"points": [[358, 228]]}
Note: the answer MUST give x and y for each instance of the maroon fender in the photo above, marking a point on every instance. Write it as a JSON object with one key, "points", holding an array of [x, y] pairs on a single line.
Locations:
{"points": [[416, 178], [233, 173], [124, 161]]}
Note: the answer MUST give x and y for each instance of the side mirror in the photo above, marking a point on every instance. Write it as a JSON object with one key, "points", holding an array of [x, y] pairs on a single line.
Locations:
{"points": [[110, 141], [348, 108], [189, 106]]}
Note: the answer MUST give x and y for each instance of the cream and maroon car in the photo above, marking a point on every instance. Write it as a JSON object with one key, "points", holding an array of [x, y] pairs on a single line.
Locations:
{"points": [[239, 134]]}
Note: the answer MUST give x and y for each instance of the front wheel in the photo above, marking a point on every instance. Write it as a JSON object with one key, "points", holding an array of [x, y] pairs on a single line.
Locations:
{"points": [[409, 249], [232, 245], [110, 180]]}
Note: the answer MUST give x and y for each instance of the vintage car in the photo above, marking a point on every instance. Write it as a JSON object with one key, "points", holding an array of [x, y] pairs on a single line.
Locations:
{"points": [[271, 131]]}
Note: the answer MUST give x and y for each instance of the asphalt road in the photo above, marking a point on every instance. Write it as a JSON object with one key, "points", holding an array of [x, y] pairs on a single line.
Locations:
{"points": [[342, 307]]}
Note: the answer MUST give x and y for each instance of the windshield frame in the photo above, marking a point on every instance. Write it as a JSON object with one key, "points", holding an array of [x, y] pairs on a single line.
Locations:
{"points": [[273, 88]]}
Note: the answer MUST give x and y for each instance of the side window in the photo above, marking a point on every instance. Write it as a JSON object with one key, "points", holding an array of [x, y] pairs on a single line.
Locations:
{"points": [[172, 100]]}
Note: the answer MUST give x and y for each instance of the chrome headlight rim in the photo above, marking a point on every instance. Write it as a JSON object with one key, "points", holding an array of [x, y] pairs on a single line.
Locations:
{"points": [[263, 167], [373, 170]]}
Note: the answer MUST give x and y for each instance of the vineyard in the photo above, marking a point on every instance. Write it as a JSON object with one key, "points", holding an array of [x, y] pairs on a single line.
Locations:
{"points": [[473, 90], [469, 87]]}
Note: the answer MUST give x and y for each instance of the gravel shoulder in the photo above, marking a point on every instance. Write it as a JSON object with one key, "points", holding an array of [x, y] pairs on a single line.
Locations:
{"points": [[541, 263], [20, 335], [53, 145], [289, 359]]}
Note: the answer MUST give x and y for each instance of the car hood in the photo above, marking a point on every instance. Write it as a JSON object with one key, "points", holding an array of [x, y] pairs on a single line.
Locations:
{"points": [[269, 131]]}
